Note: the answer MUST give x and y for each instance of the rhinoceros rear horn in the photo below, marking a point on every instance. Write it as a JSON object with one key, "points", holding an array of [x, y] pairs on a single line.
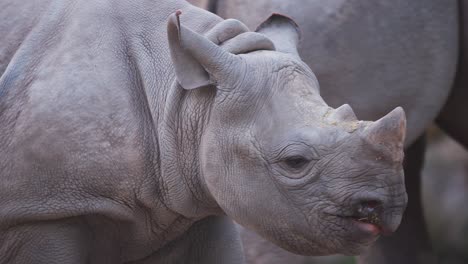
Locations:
{"points": [[197, 61], [344, 113], [388, 133], [283, 31]]}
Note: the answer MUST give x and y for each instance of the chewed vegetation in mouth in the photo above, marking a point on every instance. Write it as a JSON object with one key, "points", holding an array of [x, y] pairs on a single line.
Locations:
{"points": [[368, 213], [372, 218]]}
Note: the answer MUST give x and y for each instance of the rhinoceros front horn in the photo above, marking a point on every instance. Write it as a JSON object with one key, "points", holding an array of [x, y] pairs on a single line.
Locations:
{"points": [[388, 133]]}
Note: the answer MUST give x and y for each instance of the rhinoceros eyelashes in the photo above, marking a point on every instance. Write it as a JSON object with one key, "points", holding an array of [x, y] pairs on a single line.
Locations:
{"points": [[296, 162], [296, 167]]}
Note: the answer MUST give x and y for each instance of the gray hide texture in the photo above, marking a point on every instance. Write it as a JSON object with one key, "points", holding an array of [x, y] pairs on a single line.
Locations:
{"points": [[130, 129]]}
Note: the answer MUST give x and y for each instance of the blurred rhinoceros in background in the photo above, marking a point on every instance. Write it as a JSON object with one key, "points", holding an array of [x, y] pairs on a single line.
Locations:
{"points": [[445, 197]]}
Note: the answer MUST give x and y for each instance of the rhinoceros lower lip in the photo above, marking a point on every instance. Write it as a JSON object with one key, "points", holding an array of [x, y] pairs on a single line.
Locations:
{"points": [[367, 227], [372, 224], [364, 224]]}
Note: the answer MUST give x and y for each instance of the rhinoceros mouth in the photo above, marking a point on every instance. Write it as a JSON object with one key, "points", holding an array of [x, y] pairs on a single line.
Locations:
{"points": [[373, 223], [369, 217], [369, 224]]}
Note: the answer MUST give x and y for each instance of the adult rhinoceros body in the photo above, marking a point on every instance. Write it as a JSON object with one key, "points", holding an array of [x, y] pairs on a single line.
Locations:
{"points": [[375, 55], [126, 135]]}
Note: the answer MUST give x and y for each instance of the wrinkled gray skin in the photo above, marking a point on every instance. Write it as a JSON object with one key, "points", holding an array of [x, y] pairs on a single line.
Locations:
{"points": [[127, 137], [376, 55]]}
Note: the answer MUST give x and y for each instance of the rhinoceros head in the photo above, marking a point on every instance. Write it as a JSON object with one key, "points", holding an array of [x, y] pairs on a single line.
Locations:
{"points": [[276, 158]]}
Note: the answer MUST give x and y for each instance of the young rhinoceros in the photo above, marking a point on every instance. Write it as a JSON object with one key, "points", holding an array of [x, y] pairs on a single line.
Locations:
{"points": [[277, 159], [119, 146]]}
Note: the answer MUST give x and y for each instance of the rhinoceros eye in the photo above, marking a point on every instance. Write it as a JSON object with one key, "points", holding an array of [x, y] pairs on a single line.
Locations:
{"points": [[296, 162]]}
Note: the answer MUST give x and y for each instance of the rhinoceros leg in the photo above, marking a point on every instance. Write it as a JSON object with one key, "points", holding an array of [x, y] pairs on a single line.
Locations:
{"points": [[410, 243], [453, 118]]}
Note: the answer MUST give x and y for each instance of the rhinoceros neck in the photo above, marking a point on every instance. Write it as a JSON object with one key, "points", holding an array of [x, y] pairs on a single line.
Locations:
{"points": [[178, 116], [185, 116]]}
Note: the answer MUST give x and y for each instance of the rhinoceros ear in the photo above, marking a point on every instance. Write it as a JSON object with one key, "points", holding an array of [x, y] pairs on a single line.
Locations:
{"points": [[197, 61], [283, 31]]}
